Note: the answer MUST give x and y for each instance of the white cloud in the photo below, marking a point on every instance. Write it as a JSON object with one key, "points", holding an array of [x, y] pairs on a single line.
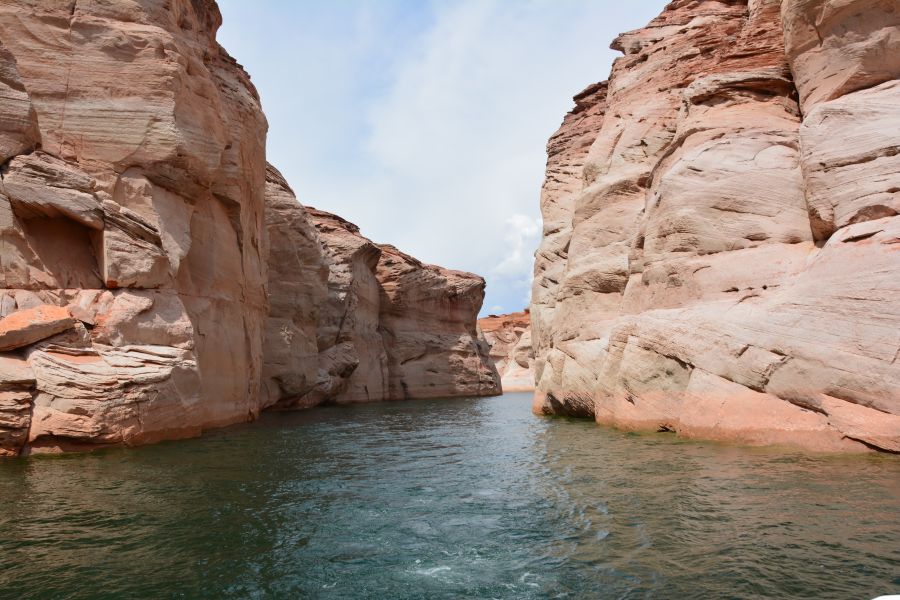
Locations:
{"points": [[426, 123], [522, 237]]}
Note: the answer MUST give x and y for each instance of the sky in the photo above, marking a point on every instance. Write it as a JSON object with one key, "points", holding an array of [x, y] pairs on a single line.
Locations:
{"points": [[425, 122]]}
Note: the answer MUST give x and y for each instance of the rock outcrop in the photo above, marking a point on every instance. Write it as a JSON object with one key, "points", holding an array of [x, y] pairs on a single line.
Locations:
{"points": [[298, 290], [354, 321], [131, 219], [140, 230], [720, 253], [353, 365], [427, 316], [509, 337], [395, 328]]}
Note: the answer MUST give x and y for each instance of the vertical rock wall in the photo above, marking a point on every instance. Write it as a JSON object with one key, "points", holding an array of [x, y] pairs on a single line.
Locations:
{"points": [[396, 328], [354, 321], [132, 193], [427, 317], [730, 270], [298, 290], [140, 229]]}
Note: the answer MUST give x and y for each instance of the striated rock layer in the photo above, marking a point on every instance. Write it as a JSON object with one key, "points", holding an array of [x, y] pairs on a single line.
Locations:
{"points": [[131, 216], [720, 253], [140, 229], [355, 321], [395, 328], [509, 337]]}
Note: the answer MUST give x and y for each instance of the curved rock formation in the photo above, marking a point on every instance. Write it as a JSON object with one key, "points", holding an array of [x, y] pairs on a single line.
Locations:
{"points": [[726, 266], [509, 337]]}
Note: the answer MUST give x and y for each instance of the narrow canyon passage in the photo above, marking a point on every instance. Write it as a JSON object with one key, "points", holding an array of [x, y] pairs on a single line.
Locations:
{"points": [[442, 499]]}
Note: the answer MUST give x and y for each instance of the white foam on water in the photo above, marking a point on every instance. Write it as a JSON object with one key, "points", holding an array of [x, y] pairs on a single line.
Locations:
{"points": [[432, 571]]}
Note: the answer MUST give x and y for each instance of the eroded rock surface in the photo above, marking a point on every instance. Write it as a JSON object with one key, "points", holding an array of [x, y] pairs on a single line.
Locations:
{"points": [[156, 277], [722, 261], [393, 327], [509, 337], [298, 279], [131, 204], [353, 360], [427, 317]]}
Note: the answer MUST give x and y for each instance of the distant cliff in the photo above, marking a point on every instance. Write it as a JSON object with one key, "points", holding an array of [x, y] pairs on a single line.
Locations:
{"points": [[509, 337], [155, 280], [720, 251], [355, 321]]}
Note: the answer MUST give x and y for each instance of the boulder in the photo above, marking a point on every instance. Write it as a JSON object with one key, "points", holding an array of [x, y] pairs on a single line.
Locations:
{"points": [[26, 327]]}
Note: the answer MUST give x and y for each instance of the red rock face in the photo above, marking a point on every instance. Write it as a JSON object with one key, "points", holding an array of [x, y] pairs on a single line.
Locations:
{"points": [[132, 193], [157, 277], [509, 337], [727, 264], [394, 328], [427, 315], [297, 290]]}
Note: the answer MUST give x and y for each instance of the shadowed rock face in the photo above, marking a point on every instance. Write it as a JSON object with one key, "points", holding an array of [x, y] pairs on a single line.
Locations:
{"points": [[132, 198], [393, 327], [427, 316], [369, 323], [298, 289], [722, 261], [509, 337]]}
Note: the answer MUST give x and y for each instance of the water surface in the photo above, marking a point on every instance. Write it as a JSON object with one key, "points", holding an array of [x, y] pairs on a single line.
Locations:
{"points": [[445, 499]]}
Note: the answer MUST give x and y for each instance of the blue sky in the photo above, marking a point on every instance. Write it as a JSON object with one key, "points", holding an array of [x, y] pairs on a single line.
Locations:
{"points": [[425, 122]]}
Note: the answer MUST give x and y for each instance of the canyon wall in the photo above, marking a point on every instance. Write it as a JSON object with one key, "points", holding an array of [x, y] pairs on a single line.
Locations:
{"points": [[509, 337], [354, 321], [720, 253], [394, 328], [131, 217], [140, 229]]}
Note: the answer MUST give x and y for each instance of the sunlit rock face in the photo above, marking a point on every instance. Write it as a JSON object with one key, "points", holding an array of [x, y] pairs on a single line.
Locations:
{"points": [[394, 328], [723, 262], [509, 337], [132, 199]]}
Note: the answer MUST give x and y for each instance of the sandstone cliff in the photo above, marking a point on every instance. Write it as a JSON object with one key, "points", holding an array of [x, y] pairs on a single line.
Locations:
{"points": [[297, 289], [140, 230], [509, 337], [355, 321], [396, 328], [721, 232], [132, 193]]}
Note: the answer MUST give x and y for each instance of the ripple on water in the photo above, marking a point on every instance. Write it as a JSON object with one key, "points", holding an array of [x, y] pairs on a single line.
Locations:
{"points": [[455, 498]]}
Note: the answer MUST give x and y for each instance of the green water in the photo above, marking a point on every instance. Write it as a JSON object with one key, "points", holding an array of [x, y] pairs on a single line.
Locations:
{"points": [[446, 499]]}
